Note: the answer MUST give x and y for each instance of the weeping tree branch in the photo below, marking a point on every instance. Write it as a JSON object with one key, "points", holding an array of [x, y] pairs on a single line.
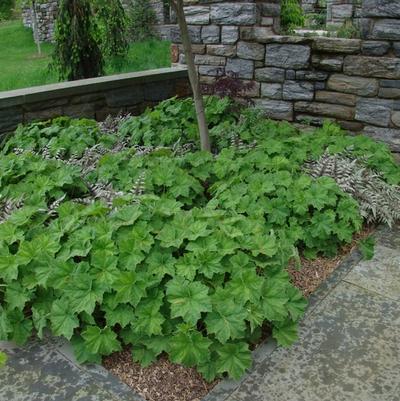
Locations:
{"points": [[193, 77]]}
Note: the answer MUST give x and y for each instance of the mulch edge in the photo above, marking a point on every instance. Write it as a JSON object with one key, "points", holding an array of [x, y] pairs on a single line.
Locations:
{"points": [[226, 387]]}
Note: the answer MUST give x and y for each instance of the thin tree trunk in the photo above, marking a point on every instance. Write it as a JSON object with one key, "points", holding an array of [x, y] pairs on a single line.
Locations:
{"points": [[35, 28], [193, 77]]}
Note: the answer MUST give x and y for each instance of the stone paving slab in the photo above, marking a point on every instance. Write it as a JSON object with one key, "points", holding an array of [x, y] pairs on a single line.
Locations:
{"points": [[44, 371], [381, 274], [348, 350]]}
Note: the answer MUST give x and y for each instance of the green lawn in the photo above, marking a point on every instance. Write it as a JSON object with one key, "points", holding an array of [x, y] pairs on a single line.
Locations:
{"points": [[20, 65]]}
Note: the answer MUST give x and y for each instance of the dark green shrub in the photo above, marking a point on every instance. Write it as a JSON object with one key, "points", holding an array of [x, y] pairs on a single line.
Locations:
{"points": [[6, 9], [112, 21], [77, 53], [142, 17]]}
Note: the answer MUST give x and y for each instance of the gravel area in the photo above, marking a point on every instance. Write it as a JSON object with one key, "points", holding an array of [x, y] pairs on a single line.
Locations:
{"points": [[165, 381]]}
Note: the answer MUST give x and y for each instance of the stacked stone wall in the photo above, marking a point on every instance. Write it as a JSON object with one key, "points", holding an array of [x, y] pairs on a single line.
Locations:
{"points": [[46, 16], [352, 81], [340, 11]]}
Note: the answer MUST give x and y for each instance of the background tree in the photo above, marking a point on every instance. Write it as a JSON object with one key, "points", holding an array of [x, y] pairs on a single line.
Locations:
{"points": [[193, 76], [142, 17], [77, 53], [6, 9], [112, 21]]}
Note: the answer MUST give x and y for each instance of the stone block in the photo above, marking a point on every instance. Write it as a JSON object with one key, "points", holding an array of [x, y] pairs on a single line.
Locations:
{"points": [[270, 9], [206, 59], [229, 34], [45, 114], [290, 75], [124, 96], [241, 68], [221, 50], [207, 80], [386, 29], [210, 34], [157, 91], [275, 109], [312, 75], [327, 62], [396, 49], [320, 85], [271, 91], [234, 14], [374, 48], [353, 126], [196, 49], [390, 83], [322, 109], [270, 74], [252, 89], [256, 33], [381, 8], [391, 136], [194, 32], [309, 119], [396, 118], [342, 11], [336, 45], [250, 51], [374, 111], [298, 90], [85, 110], [98, 97], [380, 67], [197, 15], [267, 21], [336, 98], [174, 53], [354, 85], [211, 70], [10, 118], [389, 93], [287, 56]]}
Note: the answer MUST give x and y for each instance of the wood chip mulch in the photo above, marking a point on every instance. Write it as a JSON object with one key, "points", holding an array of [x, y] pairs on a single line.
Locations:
{"points": [[165, 381]]}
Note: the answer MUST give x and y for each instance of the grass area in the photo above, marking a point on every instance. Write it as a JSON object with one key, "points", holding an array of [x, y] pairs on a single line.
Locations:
{"points": [[21, 66]]}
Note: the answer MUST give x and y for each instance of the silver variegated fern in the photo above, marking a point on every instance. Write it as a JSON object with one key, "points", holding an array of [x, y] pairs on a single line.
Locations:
{"points": [[378, 200]]}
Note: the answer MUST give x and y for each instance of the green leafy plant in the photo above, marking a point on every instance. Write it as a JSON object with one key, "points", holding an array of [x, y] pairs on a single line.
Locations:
{"points": [[3, 359], [292, 15], [131, 236], [367, 247], [348, 30]]}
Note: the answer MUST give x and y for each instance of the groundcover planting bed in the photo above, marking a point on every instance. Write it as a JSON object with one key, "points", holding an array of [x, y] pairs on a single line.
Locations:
{"points": [[124, 237]]}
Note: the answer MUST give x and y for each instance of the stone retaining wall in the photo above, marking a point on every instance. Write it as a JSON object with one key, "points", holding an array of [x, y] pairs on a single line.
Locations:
{"points": [[92, 98], [355, 82]]}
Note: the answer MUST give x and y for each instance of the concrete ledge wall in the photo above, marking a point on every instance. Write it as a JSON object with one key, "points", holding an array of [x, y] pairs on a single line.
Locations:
{"points": [[92, 98], [352, 81]]}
